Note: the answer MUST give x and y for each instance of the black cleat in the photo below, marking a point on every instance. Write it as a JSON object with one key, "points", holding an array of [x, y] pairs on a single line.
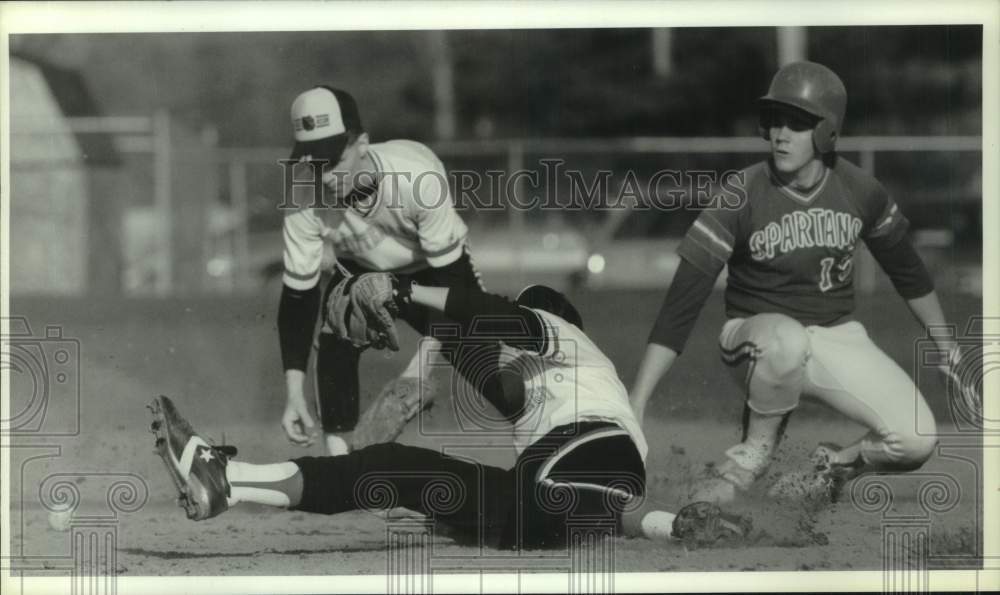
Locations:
{"points": [[197, 468]]}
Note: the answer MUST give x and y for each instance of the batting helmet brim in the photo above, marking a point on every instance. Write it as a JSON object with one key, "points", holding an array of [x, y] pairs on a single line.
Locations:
{"points": [[541, 297], [328, 149], [768, 102]]}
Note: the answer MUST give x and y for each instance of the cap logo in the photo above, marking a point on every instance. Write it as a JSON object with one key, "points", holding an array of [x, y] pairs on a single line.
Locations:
{"points": [[308, 123]]}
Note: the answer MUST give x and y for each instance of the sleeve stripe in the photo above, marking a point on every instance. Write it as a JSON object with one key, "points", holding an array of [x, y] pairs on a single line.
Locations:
{"points": [[712, 236], [446, 258], [300, 283], [889, 218], [301, 276], [551, 346], [446, 249], [713, 253], [548, 342], [377, 161]]}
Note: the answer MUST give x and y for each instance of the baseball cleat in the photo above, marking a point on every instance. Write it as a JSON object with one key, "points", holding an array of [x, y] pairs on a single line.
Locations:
{"points": [[197, 468], [714, 490], [704, 523], [823, 483]]}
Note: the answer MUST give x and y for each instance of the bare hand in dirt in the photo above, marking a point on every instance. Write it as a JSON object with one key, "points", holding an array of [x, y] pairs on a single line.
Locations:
{"points": [[297, 422]]}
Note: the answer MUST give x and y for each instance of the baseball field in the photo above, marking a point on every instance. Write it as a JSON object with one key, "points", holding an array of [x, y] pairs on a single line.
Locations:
{"points": [[82, 441]]}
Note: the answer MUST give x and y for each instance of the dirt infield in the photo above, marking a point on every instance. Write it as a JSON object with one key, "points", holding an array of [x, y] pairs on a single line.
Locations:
{"points": [[219, 362]]}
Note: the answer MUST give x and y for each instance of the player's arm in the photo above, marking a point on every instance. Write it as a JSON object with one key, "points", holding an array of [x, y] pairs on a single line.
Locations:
{"points": [[891, 247], [913, 283], [440, 230], [904, 267], [704, 252], [688, 293], [297, 311], [485, 314]]}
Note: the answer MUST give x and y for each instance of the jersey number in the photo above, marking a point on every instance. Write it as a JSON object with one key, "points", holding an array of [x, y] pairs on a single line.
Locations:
{"points": [[829, 267]]}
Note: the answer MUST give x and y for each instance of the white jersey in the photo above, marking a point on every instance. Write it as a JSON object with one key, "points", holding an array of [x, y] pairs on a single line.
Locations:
{"points": [[408, 224], [570, 380]]}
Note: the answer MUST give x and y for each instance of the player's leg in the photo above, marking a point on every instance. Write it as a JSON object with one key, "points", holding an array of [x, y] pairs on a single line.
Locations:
{"points": [[767, 355], [338, 389], [851, 374], [337, 379], [470, 497], [579, 477]]}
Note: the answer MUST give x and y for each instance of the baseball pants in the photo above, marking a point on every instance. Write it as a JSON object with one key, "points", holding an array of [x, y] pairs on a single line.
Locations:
{"points": [[776, 360], [578, 477], [338, 386]]}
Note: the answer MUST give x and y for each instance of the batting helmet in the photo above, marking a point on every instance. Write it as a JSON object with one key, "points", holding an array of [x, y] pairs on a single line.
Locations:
{"points": [[545, 298], [814, 89]]}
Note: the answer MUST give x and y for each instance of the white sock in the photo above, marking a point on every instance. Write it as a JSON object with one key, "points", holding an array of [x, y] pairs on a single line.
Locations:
{"points": [[238, 473], [433, 358], [658, 525], [336, 446]]}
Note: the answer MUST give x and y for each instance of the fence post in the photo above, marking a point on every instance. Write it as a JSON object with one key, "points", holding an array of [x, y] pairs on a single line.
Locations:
{"points": [[238, 195], [163, 199]]}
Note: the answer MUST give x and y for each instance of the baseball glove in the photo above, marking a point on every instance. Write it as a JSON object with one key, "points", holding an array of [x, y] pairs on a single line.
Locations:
{"points": [[361, 309], [398, 403], [704, 524], [373, 294]]}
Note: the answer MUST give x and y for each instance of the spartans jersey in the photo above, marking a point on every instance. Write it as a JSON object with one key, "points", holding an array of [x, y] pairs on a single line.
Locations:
{"points": [[407, 224], [566, 381], [790, 252]]}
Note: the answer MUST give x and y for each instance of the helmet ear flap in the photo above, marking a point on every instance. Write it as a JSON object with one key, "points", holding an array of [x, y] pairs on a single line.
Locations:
{"points": [[825, 136]]}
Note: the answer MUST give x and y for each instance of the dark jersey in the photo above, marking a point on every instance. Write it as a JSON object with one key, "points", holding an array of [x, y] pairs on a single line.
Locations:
{"points": [[793, 253]]}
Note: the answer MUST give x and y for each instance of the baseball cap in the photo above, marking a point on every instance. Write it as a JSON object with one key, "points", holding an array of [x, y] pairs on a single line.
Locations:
{"points": [[322, 120]]}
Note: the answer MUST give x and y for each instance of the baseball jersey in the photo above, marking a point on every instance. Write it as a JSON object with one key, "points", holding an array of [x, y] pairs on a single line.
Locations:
{"points": [[567, 380], [407, 224], [791, 252]]}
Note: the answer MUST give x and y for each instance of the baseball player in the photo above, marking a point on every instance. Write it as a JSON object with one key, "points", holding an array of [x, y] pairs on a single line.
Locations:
{"points": [[580, 449], [387, 208], [789, 245]]}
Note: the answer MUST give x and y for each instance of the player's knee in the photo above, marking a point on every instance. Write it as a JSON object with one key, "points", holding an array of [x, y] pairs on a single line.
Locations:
{"points": [[787, 348], [908, 451], [915, 450], [779, 370]]}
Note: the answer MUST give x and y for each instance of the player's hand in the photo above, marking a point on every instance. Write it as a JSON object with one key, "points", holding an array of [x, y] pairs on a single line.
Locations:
{"points": [[297, 422], [963, 375]]}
